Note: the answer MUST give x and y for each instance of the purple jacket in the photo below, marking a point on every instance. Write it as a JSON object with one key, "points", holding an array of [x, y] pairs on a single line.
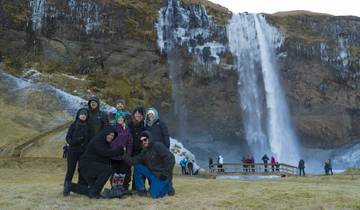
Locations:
{"points": [[123, 139]]}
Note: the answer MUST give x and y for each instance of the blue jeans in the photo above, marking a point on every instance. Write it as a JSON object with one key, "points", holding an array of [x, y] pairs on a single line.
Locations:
{"points": [[158, 188]]}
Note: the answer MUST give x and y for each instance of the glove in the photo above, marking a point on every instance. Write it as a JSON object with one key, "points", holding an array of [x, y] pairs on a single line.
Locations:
{"points": [[163, 177]]}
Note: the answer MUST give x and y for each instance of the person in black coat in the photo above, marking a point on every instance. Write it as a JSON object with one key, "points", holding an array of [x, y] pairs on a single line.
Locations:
{"points": [[95, 163], [301, 167], [137, 126], [265, 159], [157, 128], [156, 163], [77, 137], [97, 119]]}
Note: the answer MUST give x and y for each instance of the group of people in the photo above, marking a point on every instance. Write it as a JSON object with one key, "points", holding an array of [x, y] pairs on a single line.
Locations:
{"points": [[327, 167], [106, 146]]}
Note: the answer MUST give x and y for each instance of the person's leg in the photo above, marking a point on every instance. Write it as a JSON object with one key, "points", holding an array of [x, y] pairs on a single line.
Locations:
{"points": [[103, 173], [71, 165], [140, 173], [125, 169]]}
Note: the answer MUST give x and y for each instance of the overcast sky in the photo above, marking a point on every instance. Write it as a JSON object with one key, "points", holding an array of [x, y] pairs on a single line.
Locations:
{"points": [[333, 7]]}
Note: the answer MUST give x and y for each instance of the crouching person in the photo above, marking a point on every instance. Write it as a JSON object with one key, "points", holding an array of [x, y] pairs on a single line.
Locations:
{"points": [[94, 163], [155, 163]]}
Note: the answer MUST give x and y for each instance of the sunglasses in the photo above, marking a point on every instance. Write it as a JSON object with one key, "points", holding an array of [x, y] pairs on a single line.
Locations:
{"points": [[143, 139]]}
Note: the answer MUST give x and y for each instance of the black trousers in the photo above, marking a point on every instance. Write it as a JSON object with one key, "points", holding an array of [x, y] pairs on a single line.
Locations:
{"points": [[73, 158], [119, 166], [302, 170], [96, 175]]}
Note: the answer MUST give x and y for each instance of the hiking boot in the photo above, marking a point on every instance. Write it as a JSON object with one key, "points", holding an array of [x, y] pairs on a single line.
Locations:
{"points": [[95, 195], [171, 192], [67, 185], [142, 193]]}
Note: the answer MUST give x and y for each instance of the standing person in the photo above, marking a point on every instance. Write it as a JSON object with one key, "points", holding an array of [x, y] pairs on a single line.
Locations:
{"points": [[220, 163], [301, 167], [157, 128], [190, 167], [121, 111], [327, 167], [252, 163], [77, 137], [136, 127], [123, 140], [277, 165], [273, 163], [94, 163], [211, 162], [265, 159], [155, 163], [330, 167], [183, 164], [159, 133], [97, 118]]}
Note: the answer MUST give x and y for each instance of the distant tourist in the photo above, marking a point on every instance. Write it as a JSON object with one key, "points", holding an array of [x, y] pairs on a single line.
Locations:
{"points": [[252, 163], [330, 167], [190, 167], [277, 166], [211, 162], [220, 162], [77, 139], [273, 163], [183, 164], [301, 167], [265, 159]]}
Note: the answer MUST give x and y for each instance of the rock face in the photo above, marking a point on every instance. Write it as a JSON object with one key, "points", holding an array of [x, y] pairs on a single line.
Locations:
{"points": [[113, 43]]}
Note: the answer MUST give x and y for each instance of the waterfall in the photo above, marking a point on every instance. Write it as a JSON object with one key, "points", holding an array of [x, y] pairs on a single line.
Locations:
{"points": [[244, 46], [38, 12], [253, 42]]}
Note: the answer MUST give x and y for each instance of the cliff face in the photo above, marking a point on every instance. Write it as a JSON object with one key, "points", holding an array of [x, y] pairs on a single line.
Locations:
{"points": [[320, 68], [113, 45]]}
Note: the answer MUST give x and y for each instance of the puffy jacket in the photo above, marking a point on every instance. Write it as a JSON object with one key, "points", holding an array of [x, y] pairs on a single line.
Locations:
{"points": [[159, 133], [78, 134], [156, 157], [97, 119]]}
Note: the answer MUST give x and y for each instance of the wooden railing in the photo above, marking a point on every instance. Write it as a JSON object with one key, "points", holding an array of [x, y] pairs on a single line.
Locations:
{"points": [[256, 168]]}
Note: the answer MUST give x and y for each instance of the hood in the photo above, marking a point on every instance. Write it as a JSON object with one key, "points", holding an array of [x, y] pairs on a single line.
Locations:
{"points": [[148, 135], [156, 116], [78, 113], [96, 99], [104, 132]]}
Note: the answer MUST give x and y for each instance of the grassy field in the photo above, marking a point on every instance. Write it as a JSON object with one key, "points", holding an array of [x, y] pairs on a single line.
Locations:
{"points": [[36, 183]]}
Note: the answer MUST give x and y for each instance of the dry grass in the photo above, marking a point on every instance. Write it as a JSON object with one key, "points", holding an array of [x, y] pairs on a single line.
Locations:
{"points": [[37, 184]]}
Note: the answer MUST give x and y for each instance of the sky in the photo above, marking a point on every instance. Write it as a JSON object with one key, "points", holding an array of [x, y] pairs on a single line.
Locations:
{"points": [[333, 7]]}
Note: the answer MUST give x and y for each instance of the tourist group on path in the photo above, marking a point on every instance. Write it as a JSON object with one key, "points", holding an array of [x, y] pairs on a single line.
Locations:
{"points": [[106, 146]]}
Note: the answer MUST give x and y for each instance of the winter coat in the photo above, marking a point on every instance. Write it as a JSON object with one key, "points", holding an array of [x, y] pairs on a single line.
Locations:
{"points": [[273, 161], [123, 139], [156, 157], [136, 129], [183, 163], [97, 119], [301, 164], [159, 133], [99, 150], [265, 158], [78, 134]]}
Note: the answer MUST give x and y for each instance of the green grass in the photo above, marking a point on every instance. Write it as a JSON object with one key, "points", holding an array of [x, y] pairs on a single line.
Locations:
{"points": [[37, 184]]}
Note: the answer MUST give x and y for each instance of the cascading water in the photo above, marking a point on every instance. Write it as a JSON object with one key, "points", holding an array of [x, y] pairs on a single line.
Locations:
{"points": [[244, 46], [253, 42]]}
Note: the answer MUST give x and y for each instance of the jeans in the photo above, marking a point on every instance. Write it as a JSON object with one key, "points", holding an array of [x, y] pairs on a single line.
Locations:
{"points": [[158, 188]]}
